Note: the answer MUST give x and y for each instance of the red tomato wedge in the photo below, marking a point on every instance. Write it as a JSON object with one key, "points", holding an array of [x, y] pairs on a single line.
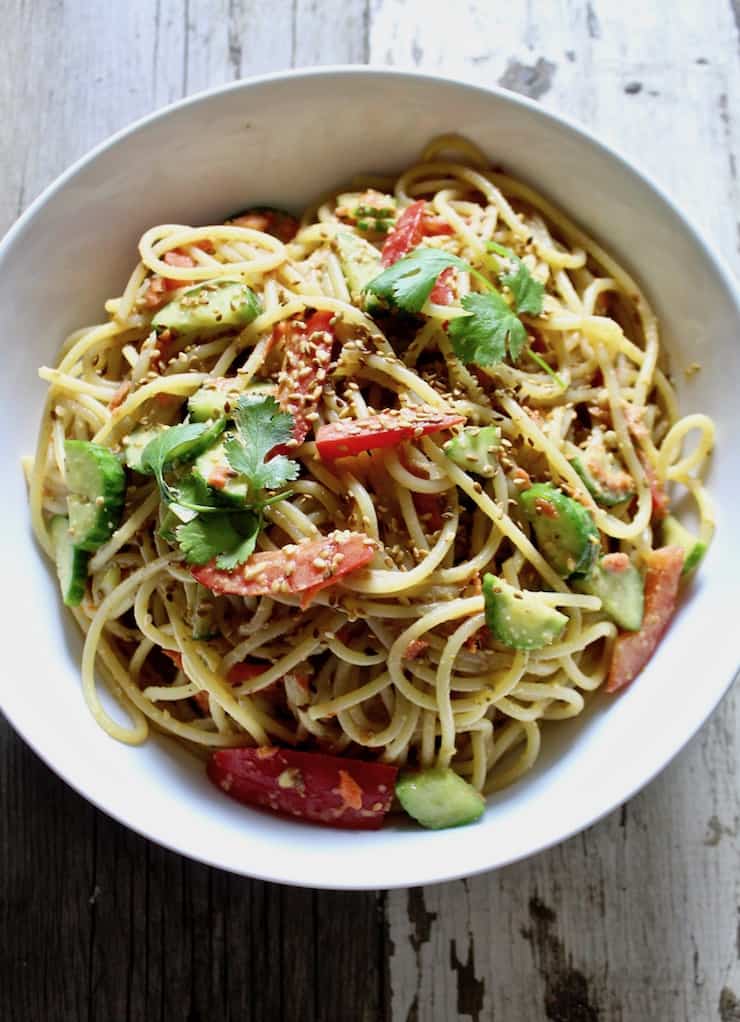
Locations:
{"points": [[435, 225], [306, 361], [632, 650], [306, 567], [405, 235], [415, 223], [270, 221], [324, 789], [157, 288], [442, 293], [387, 429]]}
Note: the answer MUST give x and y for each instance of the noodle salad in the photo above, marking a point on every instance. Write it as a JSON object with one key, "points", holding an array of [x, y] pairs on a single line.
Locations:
{"points": [[352, 504]]}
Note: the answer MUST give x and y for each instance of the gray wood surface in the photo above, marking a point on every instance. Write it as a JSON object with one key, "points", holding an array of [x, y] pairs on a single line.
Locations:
{"points": [[637, 919]]}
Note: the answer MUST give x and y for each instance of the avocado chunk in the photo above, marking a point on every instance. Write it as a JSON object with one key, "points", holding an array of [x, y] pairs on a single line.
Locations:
{"points": [[439, 798], [565, 531], [360, 264], [474, 450], [519, 618], [213, 400], [620, 587], [209, 307], [603, 476], [212, 469], [675, 534]]}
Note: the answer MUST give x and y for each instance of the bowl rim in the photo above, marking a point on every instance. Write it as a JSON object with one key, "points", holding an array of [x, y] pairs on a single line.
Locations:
{"points": [[714, 258]]}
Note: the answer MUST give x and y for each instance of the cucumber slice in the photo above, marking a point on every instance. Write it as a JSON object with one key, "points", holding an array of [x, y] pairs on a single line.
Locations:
{"points": [[675, 534], [605, 479], [213, 401], [97, 484], [212, 469], [208, 308], [134, 444], [621, 590], [520, 619], [474, 450], [438, 798], [564, 529], [71, 562], [360, 262]]}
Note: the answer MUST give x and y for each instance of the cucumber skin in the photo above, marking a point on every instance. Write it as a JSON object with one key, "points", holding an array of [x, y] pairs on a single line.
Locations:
{"points": [[415, 791], [676, 534], [578, 522], [603, 496], [94, 471], [72, 589]]}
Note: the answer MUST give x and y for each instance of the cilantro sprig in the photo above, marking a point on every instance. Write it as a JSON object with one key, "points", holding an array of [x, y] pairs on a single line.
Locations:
{"points": [[492, 328], [209, 528], [261, 427]]}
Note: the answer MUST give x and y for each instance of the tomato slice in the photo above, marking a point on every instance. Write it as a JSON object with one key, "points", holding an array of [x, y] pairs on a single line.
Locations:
{"points": [[311, 785], [177, 258], [272, 221], [306, 567], [405, 235], [387, 429], [442, 293], [632, 650], [433, 226], [306, 361]]}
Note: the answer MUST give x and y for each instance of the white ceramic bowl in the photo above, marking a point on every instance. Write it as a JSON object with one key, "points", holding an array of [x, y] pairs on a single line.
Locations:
{"points": [[284, 139]]}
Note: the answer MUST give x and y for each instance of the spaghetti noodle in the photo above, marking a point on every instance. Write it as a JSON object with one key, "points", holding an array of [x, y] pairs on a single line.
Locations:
{"points": [[394, 661]]}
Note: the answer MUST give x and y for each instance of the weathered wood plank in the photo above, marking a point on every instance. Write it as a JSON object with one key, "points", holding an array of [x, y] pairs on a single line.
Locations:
{"points": [[638, 917]]}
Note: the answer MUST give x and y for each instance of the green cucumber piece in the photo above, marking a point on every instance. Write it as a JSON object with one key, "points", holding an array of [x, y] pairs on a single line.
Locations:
{"points": [[213, 400], [474, 449], [208, 308], [71, 562], [675, 534], [438, 798], [360, 262], [565, 531], [134, 444], [603, 476], [97, 484], [518, 618], [214, 463], [621, 591]]}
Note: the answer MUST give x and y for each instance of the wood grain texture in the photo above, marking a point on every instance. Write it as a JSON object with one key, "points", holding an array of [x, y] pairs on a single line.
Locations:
{"points": [[638, 918]]}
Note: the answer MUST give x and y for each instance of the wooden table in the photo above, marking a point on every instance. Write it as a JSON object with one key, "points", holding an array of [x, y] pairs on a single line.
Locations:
{"points": [[637, 920]]}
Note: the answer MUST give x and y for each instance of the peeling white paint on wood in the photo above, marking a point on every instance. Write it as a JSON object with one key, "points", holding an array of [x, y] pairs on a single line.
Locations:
{"points": [[638, 918]]}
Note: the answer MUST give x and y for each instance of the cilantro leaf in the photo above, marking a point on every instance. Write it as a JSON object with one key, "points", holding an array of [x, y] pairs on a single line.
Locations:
{"points": [[229, 537], [527, 291], [409, 282], [261, 426], [177, 443], [488, 331]]}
